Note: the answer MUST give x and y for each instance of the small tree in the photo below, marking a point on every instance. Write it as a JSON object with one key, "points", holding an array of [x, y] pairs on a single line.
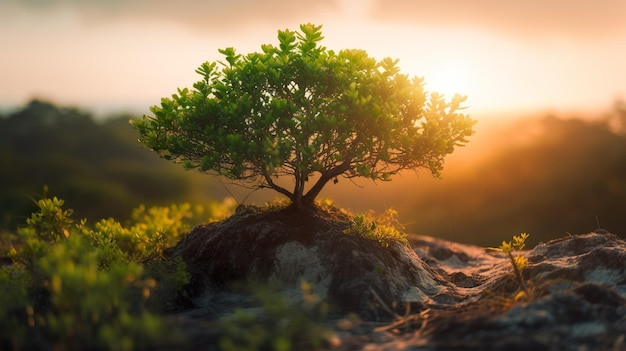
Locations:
{"points": [[300, 110]]}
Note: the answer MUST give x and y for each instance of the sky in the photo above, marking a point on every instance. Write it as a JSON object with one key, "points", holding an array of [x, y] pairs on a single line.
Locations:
{"points": [[506, 56]]}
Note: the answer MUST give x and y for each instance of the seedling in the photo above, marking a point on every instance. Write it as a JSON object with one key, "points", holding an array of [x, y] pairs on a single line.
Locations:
{"points": [[517, 261]]}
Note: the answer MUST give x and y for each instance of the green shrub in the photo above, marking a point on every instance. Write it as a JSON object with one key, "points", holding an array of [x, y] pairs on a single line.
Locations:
{"points": [[72, 286], [91, 307], [382, 229], [51, 223]]}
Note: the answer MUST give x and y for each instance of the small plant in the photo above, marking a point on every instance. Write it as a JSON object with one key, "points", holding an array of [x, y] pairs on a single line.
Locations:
{"points": [[383, 229], [517, 261], [51, 221], [280, 324]]}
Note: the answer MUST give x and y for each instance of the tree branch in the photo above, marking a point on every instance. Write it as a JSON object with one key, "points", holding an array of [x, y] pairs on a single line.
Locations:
{"points": [[330, 174], [277, 187]]}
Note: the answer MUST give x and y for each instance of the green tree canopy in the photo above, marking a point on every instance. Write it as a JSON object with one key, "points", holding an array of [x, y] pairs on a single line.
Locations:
{"points": [[300, 110]]}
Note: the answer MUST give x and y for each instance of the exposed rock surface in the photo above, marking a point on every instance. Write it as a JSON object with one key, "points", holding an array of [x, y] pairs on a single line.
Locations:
{"points": [[287, 248], [577, 302], [458, 296]]}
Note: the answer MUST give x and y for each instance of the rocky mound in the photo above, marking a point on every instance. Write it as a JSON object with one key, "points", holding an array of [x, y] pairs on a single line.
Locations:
{"points": [[577, 302], [431, 295], [286, 248]]}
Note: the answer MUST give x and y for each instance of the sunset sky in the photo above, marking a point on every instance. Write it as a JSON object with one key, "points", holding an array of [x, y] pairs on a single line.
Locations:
{"points": [[513, 56]]}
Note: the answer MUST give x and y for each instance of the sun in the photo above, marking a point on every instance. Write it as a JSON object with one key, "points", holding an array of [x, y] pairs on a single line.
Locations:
{"points": [[449, 79]]}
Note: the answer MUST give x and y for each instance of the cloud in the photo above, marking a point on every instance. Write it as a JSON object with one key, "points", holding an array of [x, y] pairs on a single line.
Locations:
{"points": [[203, 16], [578, 20]]}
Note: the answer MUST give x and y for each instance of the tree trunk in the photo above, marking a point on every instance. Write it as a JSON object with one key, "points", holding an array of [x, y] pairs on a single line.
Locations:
{"points": [[301, 205], [308, 200]]}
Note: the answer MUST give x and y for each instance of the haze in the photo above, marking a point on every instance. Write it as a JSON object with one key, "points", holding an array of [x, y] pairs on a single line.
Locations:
{"points": [[110, 56]]}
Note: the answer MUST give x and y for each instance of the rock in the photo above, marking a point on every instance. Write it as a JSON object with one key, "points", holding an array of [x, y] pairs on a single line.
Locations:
{"points": [[457, 296], [286, 248], [578, 302]]}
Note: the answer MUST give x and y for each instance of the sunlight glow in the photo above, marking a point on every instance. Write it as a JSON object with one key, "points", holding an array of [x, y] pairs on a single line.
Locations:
{"points": [[355, 9], [450, 79], [132, 61]]}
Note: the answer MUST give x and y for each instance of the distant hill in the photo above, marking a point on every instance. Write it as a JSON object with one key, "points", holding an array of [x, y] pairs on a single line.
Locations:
{"points": [[99, 168], [546, 177]]}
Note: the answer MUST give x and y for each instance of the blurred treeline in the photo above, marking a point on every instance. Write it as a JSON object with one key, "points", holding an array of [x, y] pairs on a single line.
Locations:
{"points": [[97, 166], [547, 176]]}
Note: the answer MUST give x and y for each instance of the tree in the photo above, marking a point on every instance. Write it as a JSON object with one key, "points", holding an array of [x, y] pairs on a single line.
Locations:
{"points": [[300, 110]]}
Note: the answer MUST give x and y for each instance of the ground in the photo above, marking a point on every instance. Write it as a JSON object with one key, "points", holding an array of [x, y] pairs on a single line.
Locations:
{"points": [[429, 295]]}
